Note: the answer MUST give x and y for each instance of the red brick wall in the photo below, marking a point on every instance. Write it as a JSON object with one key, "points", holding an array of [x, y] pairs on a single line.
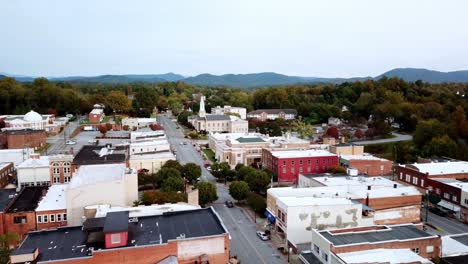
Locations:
{"points": [[275, 165], [21, 229], [372, 167], [440, 188], [421, 244], [146, 255], [32, 140], [61, 174], [49, 224], [93, 118]]}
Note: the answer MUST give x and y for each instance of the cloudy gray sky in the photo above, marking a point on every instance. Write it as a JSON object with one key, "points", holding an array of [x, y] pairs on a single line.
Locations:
{"points": [[309, 38]]}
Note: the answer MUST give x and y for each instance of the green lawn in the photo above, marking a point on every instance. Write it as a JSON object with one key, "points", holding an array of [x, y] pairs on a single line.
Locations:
{"points": [[209, 154]]}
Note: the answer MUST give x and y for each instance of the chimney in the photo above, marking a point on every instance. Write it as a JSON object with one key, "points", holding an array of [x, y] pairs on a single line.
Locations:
{"points": [[35, 156], [395, 185], [369, 187]]}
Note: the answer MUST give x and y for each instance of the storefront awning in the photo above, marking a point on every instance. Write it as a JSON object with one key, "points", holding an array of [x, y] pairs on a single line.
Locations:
{"points": [[270, 217], [449, 205]]}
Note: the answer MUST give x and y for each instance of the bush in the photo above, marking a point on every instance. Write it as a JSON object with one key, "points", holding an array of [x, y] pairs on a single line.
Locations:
{"points": [[156, 197]]}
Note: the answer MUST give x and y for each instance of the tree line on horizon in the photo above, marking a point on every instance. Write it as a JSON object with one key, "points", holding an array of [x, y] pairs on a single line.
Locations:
{"points": [[436, 114]]}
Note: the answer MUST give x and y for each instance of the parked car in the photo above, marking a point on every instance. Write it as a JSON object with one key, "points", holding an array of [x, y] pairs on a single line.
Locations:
{"points": [[438, 211], [229, 204], [185, 143], [263, 236], [92, 141], [70, 142]]}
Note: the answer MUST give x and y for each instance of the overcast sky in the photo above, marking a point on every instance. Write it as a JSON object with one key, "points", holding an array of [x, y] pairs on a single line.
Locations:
{"points": [[308, 38]]}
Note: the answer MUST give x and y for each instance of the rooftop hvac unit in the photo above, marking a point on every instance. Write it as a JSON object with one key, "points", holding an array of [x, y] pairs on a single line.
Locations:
{"points": [[133, 220]]}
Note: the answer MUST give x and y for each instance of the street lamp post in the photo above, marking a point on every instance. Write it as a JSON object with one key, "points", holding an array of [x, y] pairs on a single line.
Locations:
{"points": [[427, 204]]}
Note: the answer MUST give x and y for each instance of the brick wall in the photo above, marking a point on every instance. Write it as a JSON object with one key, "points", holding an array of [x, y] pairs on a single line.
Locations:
{"points": [[421, 244], [147, 255], [4, 177], [51, 224], [20, 229], [372, 167], [34, 139]]}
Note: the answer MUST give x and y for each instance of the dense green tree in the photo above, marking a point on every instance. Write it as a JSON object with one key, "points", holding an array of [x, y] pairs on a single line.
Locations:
{"points": [[258, 181], [165, 173], [191, 171], [219, 170], [244, 171], [6, 240], [206, 193], [440, 146], [257, 203], [118, 102], [173, 164], [239, 190], [426, 130], [173, 184]]}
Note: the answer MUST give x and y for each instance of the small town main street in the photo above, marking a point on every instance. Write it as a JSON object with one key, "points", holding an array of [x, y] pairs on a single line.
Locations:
{"points": [[244, 242]]}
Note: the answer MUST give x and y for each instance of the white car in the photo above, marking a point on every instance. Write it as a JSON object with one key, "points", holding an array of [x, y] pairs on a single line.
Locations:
{"points": [[92, 141], [70, 142], [263, 236]]}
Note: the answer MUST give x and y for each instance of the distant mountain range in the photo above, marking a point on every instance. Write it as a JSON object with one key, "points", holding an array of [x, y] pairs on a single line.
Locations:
{"points": [[256, 79]]}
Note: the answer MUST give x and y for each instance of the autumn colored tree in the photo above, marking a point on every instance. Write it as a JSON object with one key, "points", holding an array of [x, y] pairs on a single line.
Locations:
{"points": [[155, 127], [103, 130], [108, 126], [333, 132], [358, 134]]}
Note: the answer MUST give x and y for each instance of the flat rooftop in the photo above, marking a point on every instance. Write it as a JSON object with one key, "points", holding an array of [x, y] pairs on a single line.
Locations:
{"points": [[92, 174], [27, 200], [26, 131], [301, 153], [42, 161], [355, 181], [143, 210], [453, 182], [71, 242], [377, 235], [55, 198], [383, 255], [440, 168], [100, 155], [455, 245], [3, 165], [364, 156], [153, 155], [313, 201], [6, 196]]}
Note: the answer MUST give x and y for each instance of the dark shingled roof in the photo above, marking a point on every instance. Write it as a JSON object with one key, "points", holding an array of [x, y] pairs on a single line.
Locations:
{"points": [[70, 242], [404, 232], [116, 222], [27, 200], [5, 198], [455, 260], [210, 117], [273, 111], [89, 155]]}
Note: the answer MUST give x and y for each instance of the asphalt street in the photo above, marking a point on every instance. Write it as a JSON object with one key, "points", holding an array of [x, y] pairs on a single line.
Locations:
{"points": [[446, 224], [244, 242]]}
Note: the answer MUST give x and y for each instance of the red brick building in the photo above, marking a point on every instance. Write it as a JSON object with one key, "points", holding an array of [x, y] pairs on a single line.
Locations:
{"points": [[96, 116], [399, 243], [7, 173], [6, 197], [61, 169], [196, 236], [24, 138], [288, 164], [417, 174], [367, 164]]}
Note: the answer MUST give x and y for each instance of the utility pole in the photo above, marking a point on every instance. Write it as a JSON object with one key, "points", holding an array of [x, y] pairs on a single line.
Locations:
{"points": [[427, 204]]}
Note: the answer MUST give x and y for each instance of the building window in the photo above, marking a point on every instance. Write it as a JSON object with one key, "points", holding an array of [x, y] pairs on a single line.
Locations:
{"points": [[308, 162], [300, 162], [284, 163], [56, 170], [284, 170], [52, 218], [20, 220], [422, 182], [325, 256], [308, 169], [415, 181], [39, 218], [317, 249], [437, 190], [64, 217], [46, 219], [66, 170], [429, 249], [401, 175], [59, 217], [292, 162], [415, 250], [292, 170], [317, 161], [447, 196], [300, 169], [454, 198], [115, 238], [408, 178], [466, 201], [67, 179]]}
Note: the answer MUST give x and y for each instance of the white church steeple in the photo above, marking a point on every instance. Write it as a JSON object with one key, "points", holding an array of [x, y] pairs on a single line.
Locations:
{"points": [[202, 112]]}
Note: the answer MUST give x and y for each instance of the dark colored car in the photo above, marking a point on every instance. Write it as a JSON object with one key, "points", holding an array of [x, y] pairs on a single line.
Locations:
{"points": [[229, 204], [438, 212]]}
